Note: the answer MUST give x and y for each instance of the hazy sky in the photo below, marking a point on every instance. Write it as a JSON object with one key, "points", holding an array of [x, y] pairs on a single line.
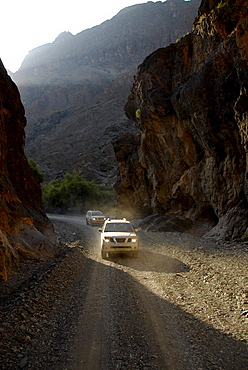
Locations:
{"points": [[26, 24]]}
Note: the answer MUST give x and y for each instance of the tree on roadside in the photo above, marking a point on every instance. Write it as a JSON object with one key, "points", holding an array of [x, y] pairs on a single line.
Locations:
{"points": [[73, 191]]}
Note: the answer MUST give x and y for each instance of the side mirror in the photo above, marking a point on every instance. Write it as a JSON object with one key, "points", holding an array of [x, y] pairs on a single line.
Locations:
{"points": [[100, 230]]}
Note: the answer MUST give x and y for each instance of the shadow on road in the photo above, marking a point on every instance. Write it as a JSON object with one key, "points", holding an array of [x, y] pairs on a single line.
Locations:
{"points": [[142, 329], [151, 261]]}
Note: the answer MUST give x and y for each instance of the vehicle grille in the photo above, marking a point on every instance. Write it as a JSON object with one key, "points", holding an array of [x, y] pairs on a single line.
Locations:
{"points": [[118, 240]]}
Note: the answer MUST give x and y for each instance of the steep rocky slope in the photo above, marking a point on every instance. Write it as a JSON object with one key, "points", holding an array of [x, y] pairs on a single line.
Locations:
{"points": [[25, 230], [75, 88], [189, 101]]}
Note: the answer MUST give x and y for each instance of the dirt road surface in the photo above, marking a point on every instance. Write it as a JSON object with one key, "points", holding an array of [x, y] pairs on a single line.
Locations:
{"points": [[182, 305]]}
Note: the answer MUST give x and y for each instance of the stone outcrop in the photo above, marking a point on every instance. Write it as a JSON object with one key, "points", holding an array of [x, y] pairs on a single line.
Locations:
{"points": [[189, 101], [25, 231], [74, 89]]}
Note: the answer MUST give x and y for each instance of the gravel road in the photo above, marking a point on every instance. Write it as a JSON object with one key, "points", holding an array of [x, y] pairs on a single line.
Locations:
{"points": [[182, 305]]}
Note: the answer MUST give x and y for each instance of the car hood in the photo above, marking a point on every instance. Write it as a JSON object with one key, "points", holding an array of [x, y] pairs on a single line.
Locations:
{"points": [[119, 234]]}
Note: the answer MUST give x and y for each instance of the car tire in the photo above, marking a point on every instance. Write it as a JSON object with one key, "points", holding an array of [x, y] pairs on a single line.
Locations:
{"points": [[104, 255]]}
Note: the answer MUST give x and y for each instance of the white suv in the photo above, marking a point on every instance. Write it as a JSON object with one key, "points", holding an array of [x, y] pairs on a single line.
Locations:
{"points": [[118, 236], [95, 218]]}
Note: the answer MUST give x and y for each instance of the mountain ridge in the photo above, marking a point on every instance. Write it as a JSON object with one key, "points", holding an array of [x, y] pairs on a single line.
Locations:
{"points": [[78, 75]]}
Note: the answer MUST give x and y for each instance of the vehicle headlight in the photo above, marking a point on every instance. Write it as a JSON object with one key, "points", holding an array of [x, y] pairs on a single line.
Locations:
{"points": [[134, 240], [93, 218], [107, 240]]}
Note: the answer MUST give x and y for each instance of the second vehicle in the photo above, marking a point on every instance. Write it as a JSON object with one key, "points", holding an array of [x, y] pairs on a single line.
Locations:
{"points": [[95, 218]]}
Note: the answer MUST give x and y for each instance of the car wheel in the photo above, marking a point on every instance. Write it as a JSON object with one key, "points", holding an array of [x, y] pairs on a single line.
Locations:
{"points": [[104, 255]]}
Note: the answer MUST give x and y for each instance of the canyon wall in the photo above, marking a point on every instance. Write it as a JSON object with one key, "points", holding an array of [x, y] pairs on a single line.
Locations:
{"points": [[190, 102], [25, 231]]}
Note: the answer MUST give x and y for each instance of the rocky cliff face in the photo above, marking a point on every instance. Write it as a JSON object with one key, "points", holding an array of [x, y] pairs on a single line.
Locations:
{"points": [[25, 230], [75, 88], [189, 101]]}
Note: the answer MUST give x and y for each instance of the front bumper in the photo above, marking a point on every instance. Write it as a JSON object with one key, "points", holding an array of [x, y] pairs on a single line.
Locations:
{"points": [[97, 222], [120, 248]]}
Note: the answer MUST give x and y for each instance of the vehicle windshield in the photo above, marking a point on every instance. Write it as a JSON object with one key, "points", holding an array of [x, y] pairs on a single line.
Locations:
{"points": [[97, 213], [118, 226]]}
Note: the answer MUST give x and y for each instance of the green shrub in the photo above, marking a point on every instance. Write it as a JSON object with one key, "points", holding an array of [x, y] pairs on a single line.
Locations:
{"points": [[32, 164], [222, 5], [75, 192], [138, 113]]}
